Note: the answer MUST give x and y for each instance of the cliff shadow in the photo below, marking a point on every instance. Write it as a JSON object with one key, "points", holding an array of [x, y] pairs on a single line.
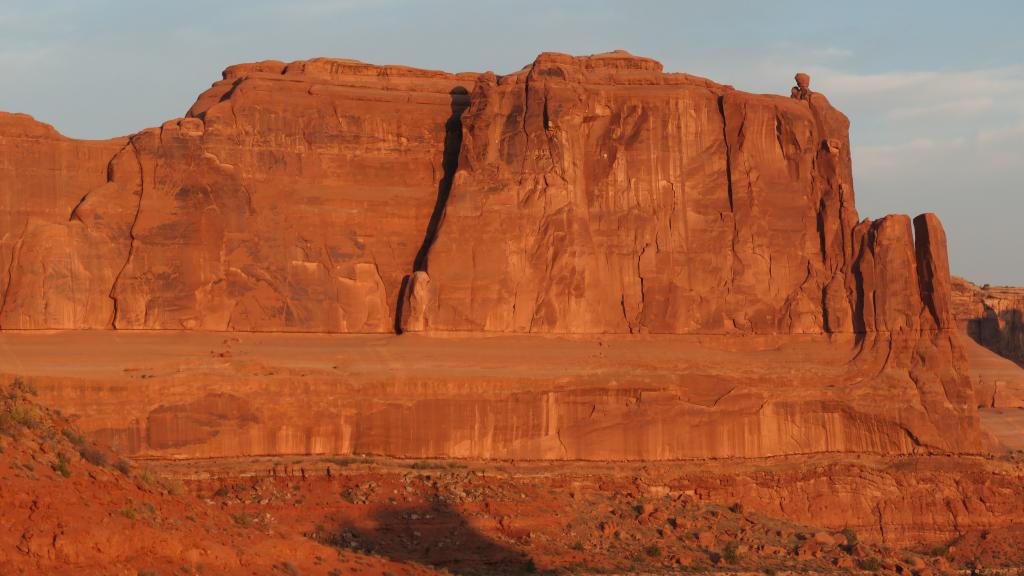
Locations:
{"points": [[1000, 332], [434, 535], [458, 102]]}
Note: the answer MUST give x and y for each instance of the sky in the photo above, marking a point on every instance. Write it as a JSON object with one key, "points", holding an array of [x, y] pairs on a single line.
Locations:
{"points": [[934, 89]]}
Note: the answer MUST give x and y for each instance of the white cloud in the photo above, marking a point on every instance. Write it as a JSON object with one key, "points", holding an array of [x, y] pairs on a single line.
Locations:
{"points": [[1014, 132], [832, 52], [967, 106]]}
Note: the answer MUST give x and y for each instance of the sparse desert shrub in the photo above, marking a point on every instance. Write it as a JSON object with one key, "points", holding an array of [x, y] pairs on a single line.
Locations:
{"points": [[7, 425], [652, 551], [93, 455], [20, 388], [123, 466], [171, 486], [288, 568], [23, 415], [61, 466], [147, 476], [245, 519], [943, 549], [871, 564], [436, 465], [342, 462], [14, 413], [73, 437], [730, 553]]}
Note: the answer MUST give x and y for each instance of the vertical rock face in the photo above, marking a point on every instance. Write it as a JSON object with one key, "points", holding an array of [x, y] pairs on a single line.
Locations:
{"points": [[65, 209], [581, 195], [991, 315], [294, 197], [599, 194]]}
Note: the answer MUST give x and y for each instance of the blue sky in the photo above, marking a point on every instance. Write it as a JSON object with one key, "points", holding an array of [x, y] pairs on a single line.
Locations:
{"points": [[935, 89]]}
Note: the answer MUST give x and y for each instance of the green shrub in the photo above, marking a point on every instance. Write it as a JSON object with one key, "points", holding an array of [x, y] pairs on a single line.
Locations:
{"points": [[731, 552], [123, 466], [871, 564], [245, 519], [288, 568], [61, 466], [147, 476], [93, 455], [342, 462], [20, 388], [73, 437], [14, 414], [652, 551]]}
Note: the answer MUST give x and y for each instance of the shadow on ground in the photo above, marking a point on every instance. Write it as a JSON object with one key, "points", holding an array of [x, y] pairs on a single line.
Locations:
{"points": [[434, 535]]}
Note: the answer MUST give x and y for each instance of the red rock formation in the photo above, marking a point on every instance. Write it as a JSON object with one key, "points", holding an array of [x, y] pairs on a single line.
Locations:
{"points": [[593, 194], [293, 197], [585, 195], [991, 320], [199, 395], [70, 506], [599, 194], [991, 315], [58, 255]]}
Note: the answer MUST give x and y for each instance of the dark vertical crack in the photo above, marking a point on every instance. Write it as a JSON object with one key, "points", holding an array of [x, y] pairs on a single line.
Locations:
{"points": [[15, 253], [131, 236], [449, 165], [728, 150]]}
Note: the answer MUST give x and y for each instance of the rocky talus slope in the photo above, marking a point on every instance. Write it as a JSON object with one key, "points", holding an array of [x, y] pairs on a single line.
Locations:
{"points": [[71, 506]]}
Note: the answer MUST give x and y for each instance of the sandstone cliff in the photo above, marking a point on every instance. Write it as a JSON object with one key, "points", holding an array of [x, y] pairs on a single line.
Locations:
{"points": [[992, 322], [588, 194], [600, 194], [991, 315], [293, 197], [581, 195]]}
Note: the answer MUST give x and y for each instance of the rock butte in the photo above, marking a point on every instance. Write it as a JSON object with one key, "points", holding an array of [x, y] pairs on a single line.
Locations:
{"points": [[599, 260]]}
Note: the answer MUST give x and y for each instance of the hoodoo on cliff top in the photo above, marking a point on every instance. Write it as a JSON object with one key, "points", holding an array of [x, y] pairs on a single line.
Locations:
{"points": [[591, 195]]}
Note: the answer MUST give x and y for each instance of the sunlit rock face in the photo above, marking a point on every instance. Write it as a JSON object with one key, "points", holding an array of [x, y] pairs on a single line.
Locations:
{"points": [[292, 198], [580, 197]]}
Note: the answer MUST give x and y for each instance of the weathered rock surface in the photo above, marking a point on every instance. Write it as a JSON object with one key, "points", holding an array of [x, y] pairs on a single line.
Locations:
{"points": [[591, 195], [991, 320], [64, 226], [70, 506], [991, 315], [197, 395], [292, 198], [582, 195], [599, 194]]}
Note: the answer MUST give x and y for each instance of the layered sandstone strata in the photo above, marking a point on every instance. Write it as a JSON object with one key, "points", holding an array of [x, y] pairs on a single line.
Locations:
{"points": [[581, 195], [623, 397], [992, 322], [991, 315]]}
